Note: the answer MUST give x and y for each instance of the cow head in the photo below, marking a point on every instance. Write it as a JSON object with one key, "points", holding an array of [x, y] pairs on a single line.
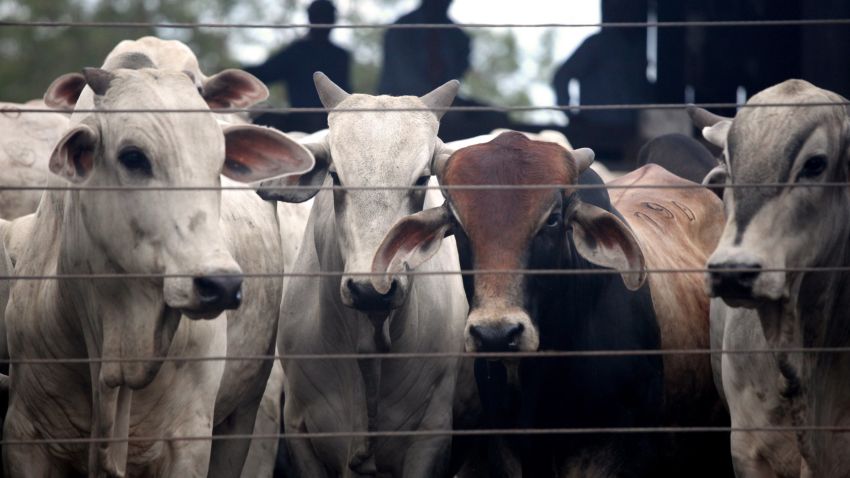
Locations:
{"points": [[173, 232], [510, 229], [371, 148], [774, 227]]}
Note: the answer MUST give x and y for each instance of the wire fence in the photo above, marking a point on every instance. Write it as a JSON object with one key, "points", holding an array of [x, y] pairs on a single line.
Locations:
{"points": [[530, 272]]}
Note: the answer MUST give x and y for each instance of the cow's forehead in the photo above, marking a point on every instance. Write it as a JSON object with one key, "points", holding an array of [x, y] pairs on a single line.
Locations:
{"points": [[382, 143], [764, 141], [513, 160]]}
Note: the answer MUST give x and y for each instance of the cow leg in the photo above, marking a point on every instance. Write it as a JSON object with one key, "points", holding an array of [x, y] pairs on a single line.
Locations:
{"points": [[228, 456], [302, 456], [260, 462], [427, 458]]}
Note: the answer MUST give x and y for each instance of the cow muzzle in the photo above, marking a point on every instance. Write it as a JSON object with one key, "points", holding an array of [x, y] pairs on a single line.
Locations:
{"points": [[205, 296], [358, 293], [501, 330], [739, 279]]}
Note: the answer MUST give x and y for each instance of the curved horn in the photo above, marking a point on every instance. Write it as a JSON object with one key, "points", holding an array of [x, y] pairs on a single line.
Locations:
{"points": [[441, 97], [703, 118], [584, 158], [98, 80], [330, 94], [440, 158]]}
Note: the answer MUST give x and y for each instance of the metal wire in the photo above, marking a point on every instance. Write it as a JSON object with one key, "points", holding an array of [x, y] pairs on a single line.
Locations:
{"points": [[428, 433], [458, 187], [428, 26], [470, 272], [468, 109], [428, 355]]}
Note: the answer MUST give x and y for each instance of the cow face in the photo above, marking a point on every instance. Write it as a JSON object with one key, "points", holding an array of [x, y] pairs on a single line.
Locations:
{"points": [[780, 227], [165, 231], [511, 229], [372, 149]]}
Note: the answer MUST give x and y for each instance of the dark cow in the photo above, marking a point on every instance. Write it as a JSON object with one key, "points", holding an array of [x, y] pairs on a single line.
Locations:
{"points": [[558, 228], [681, 155]]}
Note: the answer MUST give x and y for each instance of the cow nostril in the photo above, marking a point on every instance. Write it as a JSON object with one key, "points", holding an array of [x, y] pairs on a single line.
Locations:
{"points": [[497, 338], [365, 297], [513, 333], [219, 292], [734, 279]]}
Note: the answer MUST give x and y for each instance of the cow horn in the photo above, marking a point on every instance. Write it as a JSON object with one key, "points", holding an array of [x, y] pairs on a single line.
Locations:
{"points": [[99, 80], [703, 118], [330, 94], [442, 97], [584, 158]]}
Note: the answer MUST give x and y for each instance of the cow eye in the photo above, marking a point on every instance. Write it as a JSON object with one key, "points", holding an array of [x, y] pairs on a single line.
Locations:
{"points": [[554, 219], [813, 167], [423, 180], [135, 161], [334, 177]]}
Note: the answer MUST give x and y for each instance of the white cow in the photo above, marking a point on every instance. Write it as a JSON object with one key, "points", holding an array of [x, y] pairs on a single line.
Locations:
{"points": [[26, 140], [769, 230], [332, 314], [119, 232]]}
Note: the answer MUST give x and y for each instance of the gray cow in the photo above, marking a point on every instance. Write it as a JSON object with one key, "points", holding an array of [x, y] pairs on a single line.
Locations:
{"points": [[116, 232], [770, 229], [321, 315]]}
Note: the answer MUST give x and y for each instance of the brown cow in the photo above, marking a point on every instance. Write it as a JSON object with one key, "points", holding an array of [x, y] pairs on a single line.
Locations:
{"points": [[678, 229], [566, 228]]}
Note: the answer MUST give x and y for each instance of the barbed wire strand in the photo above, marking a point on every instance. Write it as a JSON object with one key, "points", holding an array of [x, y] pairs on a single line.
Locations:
{"points": [[426, 26], [468, 109]]}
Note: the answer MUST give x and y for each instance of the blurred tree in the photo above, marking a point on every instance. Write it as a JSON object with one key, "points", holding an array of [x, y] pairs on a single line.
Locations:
{"points": [[32, 57]]}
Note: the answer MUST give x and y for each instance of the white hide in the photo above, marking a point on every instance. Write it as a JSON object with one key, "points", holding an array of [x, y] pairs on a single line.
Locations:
{"points": [[26, 140]]}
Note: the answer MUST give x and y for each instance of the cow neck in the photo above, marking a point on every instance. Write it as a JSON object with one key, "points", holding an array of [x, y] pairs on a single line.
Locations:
{"points": [[815, 315]]}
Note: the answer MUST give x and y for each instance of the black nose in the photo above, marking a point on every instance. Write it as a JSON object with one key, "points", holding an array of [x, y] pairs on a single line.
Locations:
{"points": [[497, 338], [365, 297], [732, 280], [219, 292]]}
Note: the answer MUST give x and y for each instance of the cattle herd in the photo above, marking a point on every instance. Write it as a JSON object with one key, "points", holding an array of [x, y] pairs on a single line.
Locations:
{"points": [[145, 284]]}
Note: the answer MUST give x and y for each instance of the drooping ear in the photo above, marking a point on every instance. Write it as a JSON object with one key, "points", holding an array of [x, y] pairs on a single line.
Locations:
{"points": [[603, 239], [308, 183], [254, 153], [584, 158], [441, 97], [65, 91], [73, 157], [411, 241], [716, 179], [329, 93], [717, 134], [233, 88]]}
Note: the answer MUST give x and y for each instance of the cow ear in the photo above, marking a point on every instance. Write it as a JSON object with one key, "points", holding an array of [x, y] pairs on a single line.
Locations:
{"points": [[410, 242], [73, 157], [65, 91], [717, 134], [233, 89], [716, 179], [308, 183], [253, 153], [603, 239]]}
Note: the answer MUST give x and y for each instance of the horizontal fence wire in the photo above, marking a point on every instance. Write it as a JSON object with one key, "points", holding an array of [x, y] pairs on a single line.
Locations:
{"points": [[459, 187], [430, 433], [427, 26], [546, 354], [468, 109], [470, 272]]}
